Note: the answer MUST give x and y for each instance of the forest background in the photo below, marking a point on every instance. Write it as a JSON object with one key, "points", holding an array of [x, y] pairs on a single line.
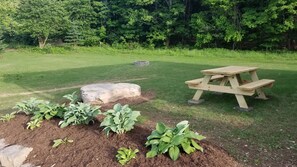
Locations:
{"points": [[232, 24]]}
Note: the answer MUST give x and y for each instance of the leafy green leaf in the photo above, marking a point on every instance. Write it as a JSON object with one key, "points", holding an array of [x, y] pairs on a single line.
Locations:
{"points": [[174, 152], [160, 128], [176, 140], [187, 147], [198, 147]]}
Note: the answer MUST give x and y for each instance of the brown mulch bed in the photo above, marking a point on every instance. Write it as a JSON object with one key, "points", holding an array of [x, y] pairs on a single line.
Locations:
{"points": [[91, 147]]}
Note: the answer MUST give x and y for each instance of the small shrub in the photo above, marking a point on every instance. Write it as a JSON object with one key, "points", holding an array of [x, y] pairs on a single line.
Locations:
{"points": [[120, 119], [73, 98], [125, 155], [7, 117], [58, 142], [165, 139], [48, 111], [29, 106], [77, 114], [34, 124], [40, 109]]}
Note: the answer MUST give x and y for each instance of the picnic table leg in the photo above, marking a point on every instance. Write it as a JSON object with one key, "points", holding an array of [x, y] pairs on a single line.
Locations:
{"points": [[239, 79], [240, 98], [196, 99], [224, 81], [260, 93]]}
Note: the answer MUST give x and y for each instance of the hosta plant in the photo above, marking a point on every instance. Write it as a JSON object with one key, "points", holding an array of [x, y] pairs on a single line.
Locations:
{"points": [[29, 106], [120, 119], [125, 155], [7, 117], [80, 113], [58, 142], [48, 110], [34, 124], [172, 140], [73, 98]]}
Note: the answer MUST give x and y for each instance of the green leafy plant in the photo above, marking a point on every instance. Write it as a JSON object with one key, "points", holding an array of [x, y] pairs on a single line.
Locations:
{"points": [[7, 117], [58, 142], [73, 98], [80, 113], [48, 110], [120, 119], [34, 124], [29, 106], [126, 154], [165, 139]]}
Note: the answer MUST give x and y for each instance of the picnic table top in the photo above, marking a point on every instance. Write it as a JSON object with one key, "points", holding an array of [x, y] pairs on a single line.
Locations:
{"points": [[229, 70]]}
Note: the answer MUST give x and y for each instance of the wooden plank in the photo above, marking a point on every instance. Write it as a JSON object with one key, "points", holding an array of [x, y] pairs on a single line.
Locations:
{"points": [[229, 70], [260, 93], [199, 80], [222, 89], [239, 97], [199, 93], [256, 84]]}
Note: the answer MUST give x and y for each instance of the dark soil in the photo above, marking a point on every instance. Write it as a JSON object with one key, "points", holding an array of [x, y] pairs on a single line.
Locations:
{"points": [[91, 147]]}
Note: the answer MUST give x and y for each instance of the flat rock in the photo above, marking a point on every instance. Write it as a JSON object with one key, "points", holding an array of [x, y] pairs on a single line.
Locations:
{"points": [[109, 92], [14, 156], [2, 144], [141, 63]]}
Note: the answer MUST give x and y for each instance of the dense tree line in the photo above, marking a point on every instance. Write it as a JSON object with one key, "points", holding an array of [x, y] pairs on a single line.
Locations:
{"points": [[237, 24]]}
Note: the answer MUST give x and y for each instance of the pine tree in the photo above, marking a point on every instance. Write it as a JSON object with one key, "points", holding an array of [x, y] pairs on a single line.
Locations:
{"points": [[74, 35]]}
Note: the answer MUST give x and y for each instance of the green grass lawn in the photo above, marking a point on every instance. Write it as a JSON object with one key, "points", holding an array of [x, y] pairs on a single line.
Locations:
{"points": [[266, 136]]}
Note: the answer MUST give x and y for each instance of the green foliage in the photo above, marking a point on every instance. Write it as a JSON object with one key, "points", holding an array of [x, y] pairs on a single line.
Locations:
{"points": [[77, 114], [125, 155], [73, 98], [36, 123], [58, 142], [41, 18], [7, 117], [120, 119], [165, 139], [153, 23], [40, 109], [29, 106], [8, 10], [73, 35], [2, 45], [48, 110]]}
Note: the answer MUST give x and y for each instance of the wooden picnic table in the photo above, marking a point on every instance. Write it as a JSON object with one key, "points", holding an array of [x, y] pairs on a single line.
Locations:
{"points": [[229, 81]]}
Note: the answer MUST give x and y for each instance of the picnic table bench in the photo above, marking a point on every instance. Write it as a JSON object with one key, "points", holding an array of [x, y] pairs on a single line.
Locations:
{"points": [[230, 82]]}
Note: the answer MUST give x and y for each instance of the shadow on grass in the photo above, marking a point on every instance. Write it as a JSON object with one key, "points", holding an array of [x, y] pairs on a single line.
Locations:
{"points": [[165, 78]]}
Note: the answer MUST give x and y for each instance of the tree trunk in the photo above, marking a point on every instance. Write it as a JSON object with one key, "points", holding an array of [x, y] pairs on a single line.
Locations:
{"points": [[42, 42]]}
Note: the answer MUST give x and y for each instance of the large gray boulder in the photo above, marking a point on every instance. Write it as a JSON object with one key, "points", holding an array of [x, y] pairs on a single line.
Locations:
{"points": [[108, 92], [14, 156]]}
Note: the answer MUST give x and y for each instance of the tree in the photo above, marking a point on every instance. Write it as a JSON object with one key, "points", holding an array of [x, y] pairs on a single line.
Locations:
{"points": [[2, 45], [271, 23], [7, 10], [41, 18], [86, 17], [74, 36]]}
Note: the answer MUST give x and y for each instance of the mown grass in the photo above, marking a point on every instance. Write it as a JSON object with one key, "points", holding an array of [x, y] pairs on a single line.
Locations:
{"points": [[266, 136]]}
